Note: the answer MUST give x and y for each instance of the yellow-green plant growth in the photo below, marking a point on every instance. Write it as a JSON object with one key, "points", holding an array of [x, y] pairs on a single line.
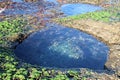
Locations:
{"points": [[106, 15], [98, 15], [9, 29]]}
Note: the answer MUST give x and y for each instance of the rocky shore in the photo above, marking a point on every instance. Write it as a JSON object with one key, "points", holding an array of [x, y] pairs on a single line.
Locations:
{"points": [[84, 1], [109, 33], [96, 2]]}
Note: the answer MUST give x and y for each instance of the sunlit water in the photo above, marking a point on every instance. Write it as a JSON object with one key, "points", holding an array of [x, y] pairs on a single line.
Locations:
{"points": [[74, 9], [17, 0], [62, 47]]}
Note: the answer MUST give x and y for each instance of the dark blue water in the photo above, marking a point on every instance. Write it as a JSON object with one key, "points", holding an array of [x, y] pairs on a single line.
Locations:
{"points": [[74, 9], [63, 47]]}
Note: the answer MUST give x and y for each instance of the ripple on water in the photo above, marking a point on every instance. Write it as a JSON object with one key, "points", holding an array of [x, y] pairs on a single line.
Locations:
{"points": [[63, 47]]}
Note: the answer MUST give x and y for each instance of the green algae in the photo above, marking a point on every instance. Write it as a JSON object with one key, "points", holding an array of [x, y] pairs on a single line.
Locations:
{"points": [[10, 29], [106, 15]]}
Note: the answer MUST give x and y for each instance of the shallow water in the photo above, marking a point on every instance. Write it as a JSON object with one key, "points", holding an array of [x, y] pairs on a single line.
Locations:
{"points": [[17, 0], [74, 9], [61, 47]]}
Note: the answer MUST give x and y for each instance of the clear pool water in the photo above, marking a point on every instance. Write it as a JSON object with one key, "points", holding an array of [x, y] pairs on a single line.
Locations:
{"points": [[74, 9], [58, 46], [63, 47], [17, 0], [22, 8], [53, 1]]}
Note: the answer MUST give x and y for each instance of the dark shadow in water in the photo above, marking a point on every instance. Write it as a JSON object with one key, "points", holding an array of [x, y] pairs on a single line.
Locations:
{"points": [[62, 47]]}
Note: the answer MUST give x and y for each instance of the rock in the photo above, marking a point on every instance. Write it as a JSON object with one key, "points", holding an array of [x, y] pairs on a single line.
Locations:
{"points": [[118, 73], [115, 47], [107, 33], [114, 59]]}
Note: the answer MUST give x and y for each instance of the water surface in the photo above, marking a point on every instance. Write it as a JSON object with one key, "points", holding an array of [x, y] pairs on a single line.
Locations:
{"points": [[74, 9], [58, 46], [62, 47]]}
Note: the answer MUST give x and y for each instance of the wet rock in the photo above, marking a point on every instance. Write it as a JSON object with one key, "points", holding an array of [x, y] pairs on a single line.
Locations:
{"points": [[5, 4], [53, 13]]}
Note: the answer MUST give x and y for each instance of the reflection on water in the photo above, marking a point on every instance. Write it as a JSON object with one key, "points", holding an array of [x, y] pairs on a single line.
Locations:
{"points": [[63, 47], [74, 9]]}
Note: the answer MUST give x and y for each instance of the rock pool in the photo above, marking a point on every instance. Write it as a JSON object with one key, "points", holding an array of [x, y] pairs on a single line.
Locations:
{"points": [[61, 47], [57, 46], [74, 9]]}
